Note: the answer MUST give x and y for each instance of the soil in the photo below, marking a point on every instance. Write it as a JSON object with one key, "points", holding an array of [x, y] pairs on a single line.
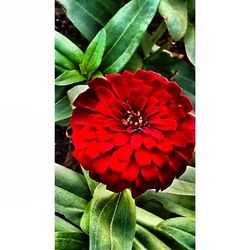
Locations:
{"points": [[63, 147]]}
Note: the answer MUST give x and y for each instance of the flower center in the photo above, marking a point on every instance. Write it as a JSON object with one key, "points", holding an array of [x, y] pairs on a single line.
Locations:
{"points": [[133, 119]]}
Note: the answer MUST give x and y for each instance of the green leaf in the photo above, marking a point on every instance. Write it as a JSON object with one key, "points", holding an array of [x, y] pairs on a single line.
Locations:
{"points": [[63, 109], [125, 32], [69, 77], [137, 245], [84, 223], [184, 73], [70, 241], [94, 53], [63, 62], [59, 69], [181, 230], [74, 92], [112, 220], [181, 187], [135, 63], [146, 218], [69, 205], [91, 183], [176, 16], [149, 240], [71, 181], [178, 204], [189, 175], [191, 10], [60, 92], [89, 16], [189, 40], [68, 48], [64, 226]]}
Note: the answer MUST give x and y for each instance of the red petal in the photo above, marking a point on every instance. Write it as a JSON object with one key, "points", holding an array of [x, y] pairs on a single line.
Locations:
{"points": [[105, 146], [136, 141], [87, 100], [116, 165], [120, 139], [150, 173], [100, 164], [148, 142], [119, 187], [185, 102], [110, 178], [166, 176], [187, 123], [88, 133], [97, 82], [159, 158], [124, 152], [104, 135], [143, 157], [174, 89], [177, 139], [91, 150], [176, 112], [154, 133], [175, 161], [163, 124], [187, 153], [131, 172], [165, 146], [119, 85]]}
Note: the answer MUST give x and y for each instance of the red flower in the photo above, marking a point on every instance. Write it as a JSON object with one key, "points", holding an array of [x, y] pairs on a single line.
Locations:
{"points": [[133, 130]]}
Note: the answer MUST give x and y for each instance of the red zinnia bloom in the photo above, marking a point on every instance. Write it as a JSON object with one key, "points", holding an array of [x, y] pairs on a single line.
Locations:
{"points": [[133, 130]]}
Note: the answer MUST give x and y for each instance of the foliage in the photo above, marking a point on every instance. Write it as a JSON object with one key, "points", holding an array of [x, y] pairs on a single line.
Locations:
{"points": [[106, 220]]}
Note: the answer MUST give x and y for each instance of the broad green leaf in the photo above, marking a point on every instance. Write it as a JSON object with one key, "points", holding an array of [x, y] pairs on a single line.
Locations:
{"points": [[183, 73], [89, 16], [69, 205], [189, 40], [191, 10], [125, 32], [146, 218], [94, 53], [62, 225], [189, 175], [176, 16], [181, 187], [137, 245], [68, 48], [60, 92], [70, 241], [91, 183], [71, 181], [180, 229], [135, 63], [59, 69], [84, 223], [69, 77], [63, 109], [112, 220], [74, 92], [178, 204], [63, 61], [149, 240]]}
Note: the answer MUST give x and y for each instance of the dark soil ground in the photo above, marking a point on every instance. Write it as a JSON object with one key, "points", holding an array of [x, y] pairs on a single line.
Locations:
{"points": [[63, 147]]}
